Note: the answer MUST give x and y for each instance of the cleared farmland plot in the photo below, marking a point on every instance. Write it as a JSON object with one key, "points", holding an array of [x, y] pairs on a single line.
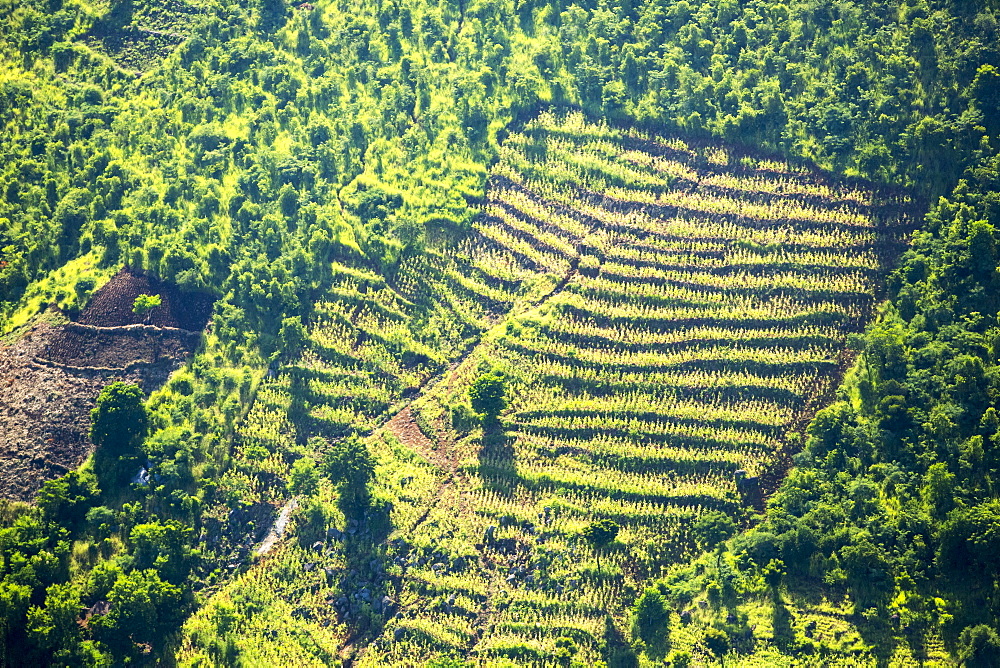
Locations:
{"points": [[677, 311], [668, 313]]}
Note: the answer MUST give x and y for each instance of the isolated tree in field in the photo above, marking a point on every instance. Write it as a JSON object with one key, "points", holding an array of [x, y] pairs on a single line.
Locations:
{"points": [[304, 478], [599, 535], [143, 304], [488, 395], [118, 424], [651, 615], [349, 465]]}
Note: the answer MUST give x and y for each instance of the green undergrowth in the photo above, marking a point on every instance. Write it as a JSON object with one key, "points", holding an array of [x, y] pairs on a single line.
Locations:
{"points": [[363, 189]]}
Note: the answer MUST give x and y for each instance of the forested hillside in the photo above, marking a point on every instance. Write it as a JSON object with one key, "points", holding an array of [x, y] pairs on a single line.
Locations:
{"points": [[520, 311]]}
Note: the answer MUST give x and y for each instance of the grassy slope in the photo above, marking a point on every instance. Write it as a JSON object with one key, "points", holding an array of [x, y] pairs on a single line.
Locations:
{"points": [[450, 585], [425, 165]]}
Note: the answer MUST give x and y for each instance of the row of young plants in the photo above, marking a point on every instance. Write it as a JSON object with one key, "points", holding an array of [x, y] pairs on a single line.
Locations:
{"points": [[676, 349]]}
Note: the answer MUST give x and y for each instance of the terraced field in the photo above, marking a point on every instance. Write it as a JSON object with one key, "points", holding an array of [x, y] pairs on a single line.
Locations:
{"points": [[668, 314], [690, 310]]}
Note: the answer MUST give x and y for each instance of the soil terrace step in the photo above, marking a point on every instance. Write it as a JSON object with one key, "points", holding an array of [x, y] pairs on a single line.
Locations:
{"points": [[131, 366], [151, 329]]}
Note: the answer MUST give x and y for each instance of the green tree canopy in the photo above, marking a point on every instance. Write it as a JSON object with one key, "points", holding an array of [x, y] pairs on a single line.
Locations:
{"points": [[979, 647], [304, 478], [118, 426], [144, 611], [712, 528], [119, 421], [488, 395], [349, 465], [651, 615], [143, 304], [599, 534]]}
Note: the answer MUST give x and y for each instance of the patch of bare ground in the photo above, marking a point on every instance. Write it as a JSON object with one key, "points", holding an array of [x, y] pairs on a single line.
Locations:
{"points": [[404, 427], [51, 374]]}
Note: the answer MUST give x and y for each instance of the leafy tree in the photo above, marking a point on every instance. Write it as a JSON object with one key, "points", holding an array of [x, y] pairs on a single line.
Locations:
{"points": [[100, 521], [54, 628], [712, 529], [487, 395], [680, 659], [651, 614], [986, 93], [979, 647], [67, 499], [272, 14], [304, 477], [774, 573], [14, 601], [145, 610], [163, 546], [599, 534], [118, 426], [349, 465], [566, 649], [143, 304], [292, 334]]}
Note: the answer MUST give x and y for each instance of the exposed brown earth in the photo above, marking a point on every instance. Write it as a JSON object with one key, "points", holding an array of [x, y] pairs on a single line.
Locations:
{"points": [[51, 374], [111, 306]]}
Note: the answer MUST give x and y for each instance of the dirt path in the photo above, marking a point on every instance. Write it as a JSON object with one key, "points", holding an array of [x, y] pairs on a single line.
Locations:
{"points": [[404, 427], [278, 528]]}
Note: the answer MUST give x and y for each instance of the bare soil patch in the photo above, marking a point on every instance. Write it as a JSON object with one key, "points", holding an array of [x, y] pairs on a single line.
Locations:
{"points": [[45, 411], [51, 374], [111, 306]]}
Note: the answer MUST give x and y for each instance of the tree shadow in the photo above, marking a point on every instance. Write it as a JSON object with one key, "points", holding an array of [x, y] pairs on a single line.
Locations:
{"points": [[781, 624], [366, 601], [618, 651], [497, 467]]}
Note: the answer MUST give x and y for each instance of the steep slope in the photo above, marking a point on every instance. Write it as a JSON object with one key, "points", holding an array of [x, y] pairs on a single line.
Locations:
{"points": [[676, 311]]}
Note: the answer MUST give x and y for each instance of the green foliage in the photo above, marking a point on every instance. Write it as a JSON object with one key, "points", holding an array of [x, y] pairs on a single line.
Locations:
{"points": [[979, 646], [599, 534], [67, 500], [650, 617], [348, 464], [717, 641], [119, 421], [143, 304], [774, 574], [680, 659], [118, 425], [713, 528], [488, 395], [144, 611], [54, 627], [319, 167], [163, 546], [304, 478]]}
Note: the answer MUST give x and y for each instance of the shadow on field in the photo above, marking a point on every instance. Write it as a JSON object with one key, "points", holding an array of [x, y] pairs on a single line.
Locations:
{"points": [[496, 459]]}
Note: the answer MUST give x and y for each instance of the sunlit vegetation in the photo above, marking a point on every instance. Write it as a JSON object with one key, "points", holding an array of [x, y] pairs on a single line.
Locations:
{"points": [[488, 275], [605, 418]]}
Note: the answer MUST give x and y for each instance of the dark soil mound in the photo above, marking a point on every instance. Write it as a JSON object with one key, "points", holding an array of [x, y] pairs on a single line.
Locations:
{"points": [[111, 306], [117, 349]]}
